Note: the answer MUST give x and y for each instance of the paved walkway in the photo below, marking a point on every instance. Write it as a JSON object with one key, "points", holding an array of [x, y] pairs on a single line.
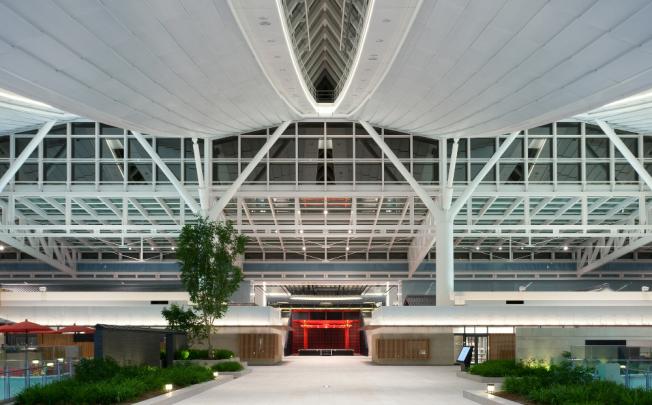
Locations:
{"points": [[340, 381]]}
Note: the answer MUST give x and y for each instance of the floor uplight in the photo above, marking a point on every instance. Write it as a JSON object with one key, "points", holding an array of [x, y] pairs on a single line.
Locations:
{"points": [[168, 387], [491, 388]]}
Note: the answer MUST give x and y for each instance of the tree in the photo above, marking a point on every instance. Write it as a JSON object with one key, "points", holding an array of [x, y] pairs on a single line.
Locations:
{"points": [[207, 251], [182, 319]]}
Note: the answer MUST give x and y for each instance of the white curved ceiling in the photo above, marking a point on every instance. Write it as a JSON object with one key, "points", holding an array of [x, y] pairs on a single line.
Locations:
{"points": [[495, 66], [458, 68], [164, 66]]}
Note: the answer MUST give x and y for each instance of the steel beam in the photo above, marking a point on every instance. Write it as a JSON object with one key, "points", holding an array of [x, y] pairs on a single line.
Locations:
{"points": [[624, 150], [31, 147], [418, 189], [466, 194], [187, 198], [217, 209]]}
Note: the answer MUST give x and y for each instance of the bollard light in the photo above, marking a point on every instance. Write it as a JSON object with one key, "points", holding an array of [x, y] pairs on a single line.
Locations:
{"points": [[35, 362], [168, 387], [216, 374], [491, 388]]}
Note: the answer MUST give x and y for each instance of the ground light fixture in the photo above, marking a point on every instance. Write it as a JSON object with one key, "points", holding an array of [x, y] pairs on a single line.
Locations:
{"points": [[491, 388], [168, 387], [216, 374], [645, 288]]}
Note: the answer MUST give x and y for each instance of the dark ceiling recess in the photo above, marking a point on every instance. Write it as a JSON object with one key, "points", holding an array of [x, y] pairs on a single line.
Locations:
{"points": [[325, 35]]}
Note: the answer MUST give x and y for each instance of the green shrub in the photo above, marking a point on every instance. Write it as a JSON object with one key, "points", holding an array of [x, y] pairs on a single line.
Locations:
{"points": [[498, 368], [89, 370], [126, 383], [223, 354], [227, 366]]}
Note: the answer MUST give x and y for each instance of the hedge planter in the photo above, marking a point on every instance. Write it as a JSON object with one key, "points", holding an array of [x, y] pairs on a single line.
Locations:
{"points": [[480, 378], [209, 362]]}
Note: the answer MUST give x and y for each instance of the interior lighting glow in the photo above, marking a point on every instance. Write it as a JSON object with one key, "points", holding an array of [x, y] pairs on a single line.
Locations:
{"points": [[565, 247], [325, 298]]}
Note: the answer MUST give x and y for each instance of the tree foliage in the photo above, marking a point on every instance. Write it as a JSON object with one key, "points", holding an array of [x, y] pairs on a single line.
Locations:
{"points": [[183, 319], [207, 251]]}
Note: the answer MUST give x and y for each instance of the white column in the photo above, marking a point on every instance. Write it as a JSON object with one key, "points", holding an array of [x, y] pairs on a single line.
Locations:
{"points": [[444, 261]]}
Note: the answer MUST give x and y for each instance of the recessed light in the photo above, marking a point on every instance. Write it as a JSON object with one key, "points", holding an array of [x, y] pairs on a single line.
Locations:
{"points": [[477, 248], [264, 23], [325, 212], [277, 57], [347, 248], [152, 248], [300, 230], [262, 18], [173, 248], [565, 247], [386, 20], [350, 231], [298, 211], [379, 40], [2, 247], [303, 248], [271, 41]]}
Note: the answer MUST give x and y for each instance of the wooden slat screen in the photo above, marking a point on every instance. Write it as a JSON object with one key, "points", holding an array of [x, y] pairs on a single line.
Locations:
{"points": [[259, 346], [502, 346], [403, 349], [86, 349]]}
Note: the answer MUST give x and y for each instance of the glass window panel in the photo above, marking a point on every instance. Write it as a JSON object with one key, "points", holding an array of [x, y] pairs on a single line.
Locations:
{"points": [[460, 173], [568, 147], [4, 167], [427, 173], [308, 148], [291, 130], [83, 172], [282, 149], [139, 172], [540, 148], [593, 130], [632, 145], [359, 130], [342, 148], [308, 173], [540, 172], [175, 168], [311, 128], [489, 178], [5, 145], [281, 172], [597, 172], [597, 148], [392, 175], [111, 173], [83, 148], [258, 175], [54, 148], [625, 172], [367, 172], [224, 173], [569, 128], [511, 172], [188, 152], [515, 150], [168, 148], [136, 151], [343, 172], [366, 148], [21, 144], [112, 148], [462, 148], [28, 173], [83, 128], [542, 130], [568, 172], [424, 148], [226, 148], [251, 146], [190, 172], [647, 146], [483, 148], [339, 128], [109, 130], [400, 147], [61, 129], [54, 172]]}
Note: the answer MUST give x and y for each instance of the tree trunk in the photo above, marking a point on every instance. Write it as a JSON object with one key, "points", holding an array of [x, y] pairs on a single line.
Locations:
{"points": [[209, 327]]}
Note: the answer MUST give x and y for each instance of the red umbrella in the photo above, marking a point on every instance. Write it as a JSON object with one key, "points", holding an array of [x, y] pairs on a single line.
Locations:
{"points": [[77, 329], [25, 327]]}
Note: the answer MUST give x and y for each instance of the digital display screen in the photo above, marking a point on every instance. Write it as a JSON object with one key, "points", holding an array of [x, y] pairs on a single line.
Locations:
{"points": [[463, 354]]}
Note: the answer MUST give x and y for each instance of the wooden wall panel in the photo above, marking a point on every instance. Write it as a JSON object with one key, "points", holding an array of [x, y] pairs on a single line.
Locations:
{"points": [[403, 349], [256, 346], [53, 342], [502, 346]]}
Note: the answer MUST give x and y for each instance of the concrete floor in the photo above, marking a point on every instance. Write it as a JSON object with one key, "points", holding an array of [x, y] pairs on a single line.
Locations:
{"points": [[340, 381]]}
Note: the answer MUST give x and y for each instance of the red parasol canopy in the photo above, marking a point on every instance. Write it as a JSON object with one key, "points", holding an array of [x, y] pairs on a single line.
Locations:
{"points": [[77, 329], [25, 327]]}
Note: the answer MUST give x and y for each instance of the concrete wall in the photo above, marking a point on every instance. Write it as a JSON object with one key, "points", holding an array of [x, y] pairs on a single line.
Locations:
{"points": [[442, 346], [548, 343]]}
